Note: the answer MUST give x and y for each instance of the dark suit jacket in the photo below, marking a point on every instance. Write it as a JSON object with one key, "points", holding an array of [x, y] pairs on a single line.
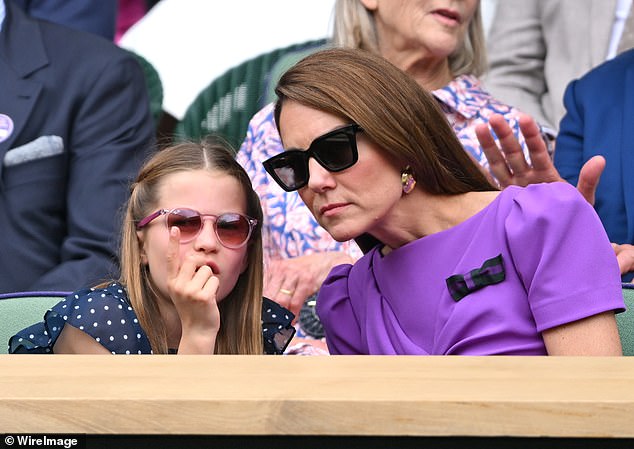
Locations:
{"points": [[600, 120], [93, 16], [82, 126]]}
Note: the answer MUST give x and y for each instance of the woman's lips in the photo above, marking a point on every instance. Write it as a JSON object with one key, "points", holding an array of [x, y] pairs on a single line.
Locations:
{"points": [[332, 209], [447, 16]]}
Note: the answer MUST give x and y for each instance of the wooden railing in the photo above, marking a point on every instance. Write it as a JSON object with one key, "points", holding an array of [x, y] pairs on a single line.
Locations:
{"points": [[337, 396]]}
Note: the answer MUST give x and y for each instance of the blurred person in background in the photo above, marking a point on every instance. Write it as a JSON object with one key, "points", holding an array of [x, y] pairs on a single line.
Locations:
{"points": [[537, 47], [75, 126]]}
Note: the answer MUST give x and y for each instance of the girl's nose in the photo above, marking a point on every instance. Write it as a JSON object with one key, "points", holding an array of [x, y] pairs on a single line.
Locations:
{"points": [[207, 240]]}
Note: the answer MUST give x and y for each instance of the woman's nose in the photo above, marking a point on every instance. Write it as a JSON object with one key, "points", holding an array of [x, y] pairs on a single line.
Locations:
{"points": [[319, 178]]}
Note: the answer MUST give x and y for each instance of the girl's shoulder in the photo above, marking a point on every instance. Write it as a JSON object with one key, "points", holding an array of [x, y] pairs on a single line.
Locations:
{"points": [[113, 291], [277, 328], [104, 313]]}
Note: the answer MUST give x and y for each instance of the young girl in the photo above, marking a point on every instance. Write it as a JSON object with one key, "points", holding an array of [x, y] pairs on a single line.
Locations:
{"points": [[191, 270]]}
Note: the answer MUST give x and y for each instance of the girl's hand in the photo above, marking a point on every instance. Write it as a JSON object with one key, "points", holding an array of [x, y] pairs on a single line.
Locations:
{"points": [[193, 291]]}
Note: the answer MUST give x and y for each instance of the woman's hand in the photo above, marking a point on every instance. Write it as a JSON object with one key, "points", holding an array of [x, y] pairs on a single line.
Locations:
{"points": [[193, 291], [289, 282], [507, 161], [625, 257], [509, 165]]}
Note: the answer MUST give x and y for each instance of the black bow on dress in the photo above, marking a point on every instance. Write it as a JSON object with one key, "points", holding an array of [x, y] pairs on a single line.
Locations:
{"points": [[491, 272]]}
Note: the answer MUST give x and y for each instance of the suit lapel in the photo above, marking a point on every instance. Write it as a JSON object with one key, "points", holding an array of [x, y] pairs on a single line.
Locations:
{"points": [[627, 150], [17, 99], [18, 93]]}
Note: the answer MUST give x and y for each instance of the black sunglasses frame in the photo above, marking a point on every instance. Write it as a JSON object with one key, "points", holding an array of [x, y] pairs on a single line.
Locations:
{"points": [[278, 161]]}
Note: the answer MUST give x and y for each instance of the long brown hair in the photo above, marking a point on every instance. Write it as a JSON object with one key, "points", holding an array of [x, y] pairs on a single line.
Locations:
{"points": [[393, 110], [241, 311]]}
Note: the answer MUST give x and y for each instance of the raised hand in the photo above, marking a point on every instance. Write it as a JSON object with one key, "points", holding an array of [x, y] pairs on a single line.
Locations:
{"points": [[507, 160], [192, 289], [510, 167], [589, 177]]}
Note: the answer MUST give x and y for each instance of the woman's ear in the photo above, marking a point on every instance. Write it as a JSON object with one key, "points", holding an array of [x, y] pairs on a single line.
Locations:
{"points": [[370, 5]]}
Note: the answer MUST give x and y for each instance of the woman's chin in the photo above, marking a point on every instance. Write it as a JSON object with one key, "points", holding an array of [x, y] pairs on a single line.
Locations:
{"points": [[342, 235]]}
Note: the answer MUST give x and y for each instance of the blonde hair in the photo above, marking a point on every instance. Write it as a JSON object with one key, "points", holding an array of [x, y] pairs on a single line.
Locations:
{"points": [[355, 27], [241, 311]]}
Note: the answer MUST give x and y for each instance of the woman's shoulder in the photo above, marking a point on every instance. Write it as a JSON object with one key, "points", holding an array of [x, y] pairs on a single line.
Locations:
{"points": [[545, 194], [350, 272], [263, 121], [262, 140], [347, 283], [466, 95], [552, 205], [535, 205]]}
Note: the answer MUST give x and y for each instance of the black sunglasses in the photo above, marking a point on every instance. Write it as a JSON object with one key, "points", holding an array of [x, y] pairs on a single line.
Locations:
{"points": [[335, 151]]}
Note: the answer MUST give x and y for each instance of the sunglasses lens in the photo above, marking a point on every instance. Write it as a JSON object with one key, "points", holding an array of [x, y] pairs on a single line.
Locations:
{"points": [[291, 169], [233, 230], [186, 220], [334, 152]]}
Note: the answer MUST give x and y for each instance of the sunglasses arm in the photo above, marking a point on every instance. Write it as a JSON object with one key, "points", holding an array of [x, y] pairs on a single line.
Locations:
{"points": [[150, 217]]}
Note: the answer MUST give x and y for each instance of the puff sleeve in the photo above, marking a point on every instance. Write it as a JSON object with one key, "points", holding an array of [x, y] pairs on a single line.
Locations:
{"points": [[562, 255]]}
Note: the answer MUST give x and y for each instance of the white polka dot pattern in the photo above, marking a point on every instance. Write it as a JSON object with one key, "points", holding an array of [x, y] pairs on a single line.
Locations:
{"points": [[104, 314]]}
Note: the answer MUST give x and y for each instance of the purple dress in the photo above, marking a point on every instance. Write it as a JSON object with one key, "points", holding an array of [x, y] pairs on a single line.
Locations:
{"points": [[535, 258]]}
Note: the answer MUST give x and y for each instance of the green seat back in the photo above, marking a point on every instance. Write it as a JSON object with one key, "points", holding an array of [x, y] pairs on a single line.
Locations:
{"points": [[154, 86], [282, 65], [228, 103], [23, 310], [625, 321]]}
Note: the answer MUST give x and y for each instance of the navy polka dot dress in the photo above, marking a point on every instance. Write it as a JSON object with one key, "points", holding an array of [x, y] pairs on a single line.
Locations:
{"points": [[107, 316]]}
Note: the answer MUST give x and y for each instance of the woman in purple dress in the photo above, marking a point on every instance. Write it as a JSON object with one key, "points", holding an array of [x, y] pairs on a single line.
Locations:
{"points": [[452, 265]]}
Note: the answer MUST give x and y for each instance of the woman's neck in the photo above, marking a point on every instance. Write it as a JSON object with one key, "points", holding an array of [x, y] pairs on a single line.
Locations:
{"points": [[436, 213], [431, 77], [428, 71]]}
